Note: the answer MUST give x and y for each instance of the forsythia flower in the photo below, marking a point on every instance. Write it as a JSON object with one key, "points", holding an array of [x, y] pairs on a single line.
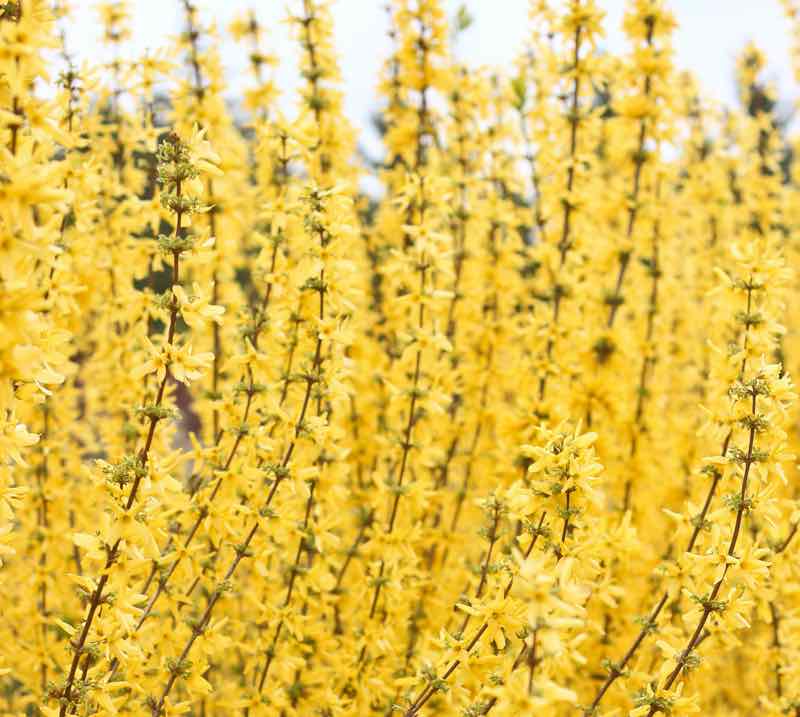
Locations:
{"points": [[196, 310], [500, 421]]}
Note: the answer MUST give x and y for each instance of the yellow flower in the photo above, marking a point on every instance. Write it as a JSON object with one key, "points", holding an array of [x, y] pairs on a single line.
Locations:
{"points": [[196, 310], [14, 438], [201, 153]]}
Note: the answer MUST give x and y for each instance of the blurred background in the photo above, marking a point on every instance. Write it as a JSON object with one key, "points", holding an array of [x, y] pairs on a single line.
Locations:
{"points": [[710, 35]]}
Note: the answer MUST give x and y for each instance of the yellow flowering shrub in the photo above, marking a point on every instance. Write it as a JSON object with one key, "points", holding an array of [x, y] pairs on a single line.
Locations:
{"points": [[500, 422]]}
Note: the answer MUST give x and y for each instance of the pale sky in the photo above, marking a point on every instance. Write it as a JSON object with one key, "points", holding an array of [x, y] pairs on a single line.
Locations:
{"points": [[710, 35]]}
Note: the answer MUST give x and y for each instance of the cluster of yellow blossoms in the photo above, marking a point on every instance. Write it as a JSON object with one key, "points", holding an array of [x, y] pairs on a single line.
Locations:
{"points": [[499, 423]]}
